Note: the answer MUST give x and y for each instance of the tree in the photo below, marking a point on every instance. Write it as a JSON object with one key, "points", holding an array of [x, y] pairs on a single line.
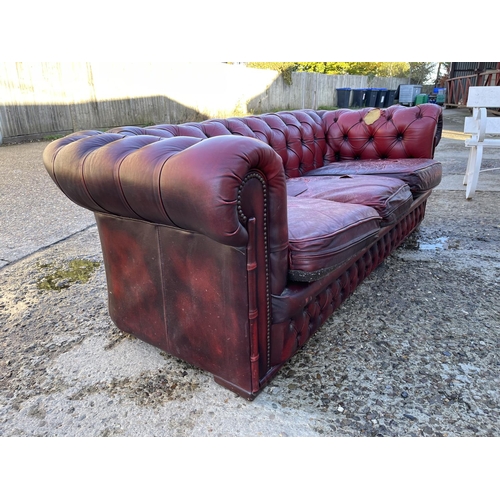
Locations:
{"points": [[443, 73], [420, 72], [285, 68], [416, 72]]}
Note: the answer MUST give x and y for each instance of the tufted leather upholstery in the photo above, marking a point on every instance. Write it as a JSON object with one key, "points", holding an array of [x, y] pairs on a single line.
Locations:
{"points": [[229, 242], [390, 133], [297, 136], [308, 139], [152, 179]]}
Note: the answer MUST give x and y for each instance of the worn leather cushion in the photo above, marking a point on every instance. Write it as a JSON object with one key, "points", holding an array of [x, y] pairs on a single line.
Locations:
{"points": [[324, 234], [421, 174], [391, 198]]}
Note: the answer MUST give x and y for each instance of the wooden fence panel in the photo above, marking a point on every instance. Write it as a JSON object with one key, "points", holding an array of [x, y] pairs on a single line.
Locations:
{"points": [[44, 99]]}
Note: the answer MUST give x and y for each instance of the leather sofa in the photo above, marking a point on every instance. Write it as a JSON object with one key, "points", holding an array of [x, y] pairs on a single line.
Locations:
{"points": [[228, 243]]}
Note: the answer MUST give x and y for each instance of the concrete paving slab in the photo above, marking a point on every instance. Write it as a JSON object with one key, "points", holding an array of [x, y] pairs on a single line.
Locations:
{"points": [[454, 182], [34, 213]]}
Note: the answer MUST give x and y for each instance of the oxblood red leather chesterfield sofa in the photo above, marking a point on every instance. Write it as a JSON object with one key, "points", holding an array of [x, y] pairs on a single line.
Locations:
{"points": [[228, 243]]}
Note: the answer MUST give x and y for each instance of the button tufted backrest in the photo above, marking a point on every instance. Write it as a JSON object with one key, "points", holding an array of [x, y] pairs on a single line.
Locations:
{"points": [[297, 136], [309, 139], [390, 133]]}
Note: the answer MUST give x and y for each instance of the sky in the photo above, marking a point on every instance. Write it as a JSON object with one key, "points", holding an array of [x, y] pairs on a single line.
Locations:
{"points": [[224, 30]]}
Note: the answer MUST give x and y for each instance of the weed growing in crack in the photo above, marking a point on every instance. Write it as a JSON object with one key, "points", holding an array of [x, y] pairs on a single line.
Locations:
{"points": [[60, 277]]}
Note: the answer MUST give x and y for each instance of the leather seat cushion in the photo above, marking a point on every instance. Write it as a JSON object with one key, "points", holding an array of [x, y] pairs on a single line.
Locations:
{"points": [[421, 174], [325, 234], [390, 197]]}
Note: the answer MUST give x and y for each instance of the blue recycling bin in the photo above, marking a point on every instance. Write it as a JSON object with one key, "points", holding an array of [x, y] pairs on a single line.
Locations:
{"points": [[358, 98], [343, 97]]}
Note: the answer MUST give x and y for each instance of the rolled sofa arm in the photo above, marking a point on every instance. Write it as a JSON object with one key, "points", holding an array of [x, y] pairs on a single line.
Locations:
{"points": [[185, 182]]}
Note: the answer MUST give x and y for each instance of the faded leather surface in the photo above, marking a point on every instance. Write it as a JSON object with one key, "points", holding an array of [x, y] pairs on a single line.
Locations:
{"points": [[421, 174], [323, 234], [205, 299], [134, 277], [389, 196], [163, 291]]}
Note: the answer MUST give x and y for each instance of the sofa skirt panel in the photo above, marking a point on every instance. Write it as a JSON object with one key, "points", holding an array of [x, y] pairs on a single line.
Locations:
{"points": [[185, 294], [134, 277], [303, 307]]}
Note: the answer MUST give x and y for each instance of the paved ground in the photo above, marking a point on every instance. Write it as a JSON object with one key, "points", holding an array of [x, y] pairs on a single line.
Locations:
{"points": [[414, 352]]}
